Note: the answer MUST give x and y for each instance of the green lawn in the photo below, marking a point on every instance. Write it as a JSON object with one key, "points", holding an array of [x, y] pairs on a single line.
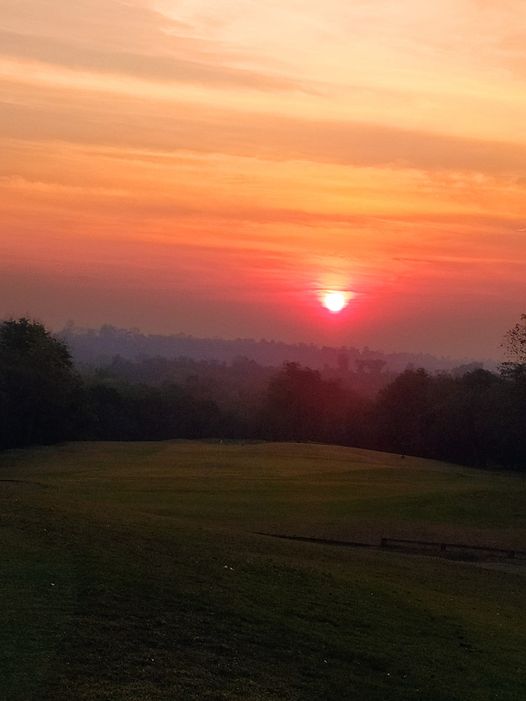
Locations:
{"points": [[134, 572]]}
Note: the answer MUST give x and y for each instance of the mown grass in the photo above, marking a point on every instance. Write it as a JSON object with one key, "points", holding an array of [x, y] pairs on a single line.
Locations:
{"points": [[132, 572]]}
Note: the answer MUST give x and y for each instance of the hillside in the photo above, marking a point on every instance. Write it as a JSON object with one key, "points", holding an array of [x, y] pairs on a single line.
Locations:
{"points": [[135, 571], [99, 346]]}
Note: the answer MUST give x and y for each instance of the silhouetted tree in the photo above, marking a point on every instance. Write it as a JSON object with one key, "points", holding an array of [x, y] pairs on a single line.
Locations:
{"points": [[515, 342], [39, 390], [118, 410], [301, 406], [402, 410], [473, 409], [470, 415]]}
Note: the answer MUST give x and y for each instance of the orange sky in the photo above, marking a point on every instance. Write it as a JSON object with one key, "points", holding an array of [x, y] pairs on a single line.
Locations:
{"points": [[210, 166]]}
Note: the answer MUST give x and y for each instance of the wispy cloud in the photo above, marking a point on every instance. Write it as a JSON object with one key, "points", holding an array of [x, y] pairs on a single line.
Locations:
{"points": [[129, 123], [205, 69]]}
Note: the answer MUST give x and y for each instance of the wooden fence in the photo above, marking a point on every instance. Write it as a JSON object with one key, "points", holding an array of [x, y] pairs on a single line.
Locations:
{"points": [[444, 547], [401, 543]]}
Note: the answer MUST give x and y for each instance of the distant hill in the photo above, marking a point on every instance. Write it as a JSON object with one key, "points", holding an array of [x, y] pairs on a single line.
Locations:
{"points": [[98, 346]]}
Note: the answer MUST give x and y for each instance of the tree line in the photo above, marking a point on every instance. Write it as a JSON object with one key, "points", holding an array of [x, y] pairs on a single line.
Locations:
{"points": [[476, 417], [100, 346]]}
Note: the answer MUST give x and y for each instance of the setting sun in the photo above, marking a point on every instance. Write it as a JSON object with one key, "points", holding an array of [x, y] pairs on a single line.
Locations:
{"points": [[334, 301]]}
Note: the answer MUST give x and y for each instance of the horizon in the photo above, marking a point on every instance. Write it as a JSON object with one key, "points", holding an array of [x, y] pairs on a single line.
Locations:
{"points": [[387, 352], [222, 168]]}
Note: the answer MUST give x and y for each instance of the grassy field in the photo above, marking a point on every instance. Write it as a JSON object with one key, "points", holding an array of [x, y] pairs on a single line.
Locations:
{"points": [[134, 572]]}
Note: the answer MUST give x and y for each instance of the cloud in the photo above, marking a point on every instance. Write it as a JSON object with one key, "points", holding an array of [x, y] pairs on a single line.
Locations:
{"points": [[138, 65], [132, 123], [97, 23], [124, 38]]}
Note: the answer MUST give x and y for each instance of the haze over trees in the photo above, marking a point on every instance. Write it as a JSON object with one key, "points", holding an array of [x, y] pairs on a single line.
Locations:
{"points": [[100, 346], [468, 415]]}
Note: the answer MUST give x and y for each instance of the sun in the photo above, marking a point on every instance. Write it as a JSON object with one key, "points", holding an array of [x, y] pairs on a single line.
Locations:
{"points": [[335, 302]]}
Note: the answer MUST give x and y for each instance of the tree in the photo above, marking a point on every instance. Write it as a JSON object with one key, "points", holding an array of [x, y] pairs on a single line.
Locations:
{"points": [[39, 389], [402, 410], [301, 406], [513, 372], [515, 343]]}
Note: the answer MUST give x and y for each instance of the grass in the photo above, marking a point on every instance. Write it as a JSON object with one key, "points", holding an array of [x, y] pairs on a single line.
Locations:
{"points": [[132, 572]]}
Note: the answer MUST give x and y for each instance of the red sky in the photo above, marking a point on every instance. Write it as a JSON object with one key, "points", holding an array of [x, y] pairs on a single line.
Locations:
{"points": [[211, 166]]}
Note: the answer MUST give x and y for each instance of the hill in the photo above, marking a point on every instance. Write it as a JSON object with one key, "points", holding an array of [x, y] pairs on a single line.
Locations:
{"points": [[135, 571], [100, 346]]}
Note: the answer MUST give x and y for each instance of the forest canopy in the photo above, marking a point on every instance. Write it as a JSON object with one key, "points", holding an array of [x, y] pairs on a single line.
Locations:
{"points": [[471, 415]]}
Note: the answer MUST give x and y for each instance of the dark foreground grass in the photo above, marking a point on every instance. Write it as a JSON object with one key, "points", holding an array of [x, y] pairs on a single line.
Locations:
{"points": [[132, 572]]}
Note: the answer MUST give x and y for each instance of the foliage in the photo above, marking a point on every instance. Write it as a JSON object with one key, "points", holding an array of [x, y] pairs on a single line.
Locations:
{"points": [[39, 390], [401, 412], [120, 411], [515, 342], [301, 406], [471, 416]]}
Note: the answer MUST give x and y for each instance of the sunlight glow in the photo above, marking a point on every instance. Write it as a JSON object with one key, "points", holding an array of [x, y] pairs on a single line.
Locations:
{"points": [[335, 302]]}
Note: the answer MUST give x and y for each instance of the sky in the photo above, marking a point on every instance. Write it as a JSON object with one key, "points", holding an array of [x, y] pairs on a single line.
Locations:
{"points": [[214, 167]]}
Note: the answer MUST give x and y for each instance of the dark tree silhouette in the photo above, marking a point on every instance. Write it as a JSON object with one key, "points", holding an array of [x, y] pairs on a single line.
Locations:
{"points": [[402, 409], [470, 416], [39, 389], [301, 406], [515, 342]]}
